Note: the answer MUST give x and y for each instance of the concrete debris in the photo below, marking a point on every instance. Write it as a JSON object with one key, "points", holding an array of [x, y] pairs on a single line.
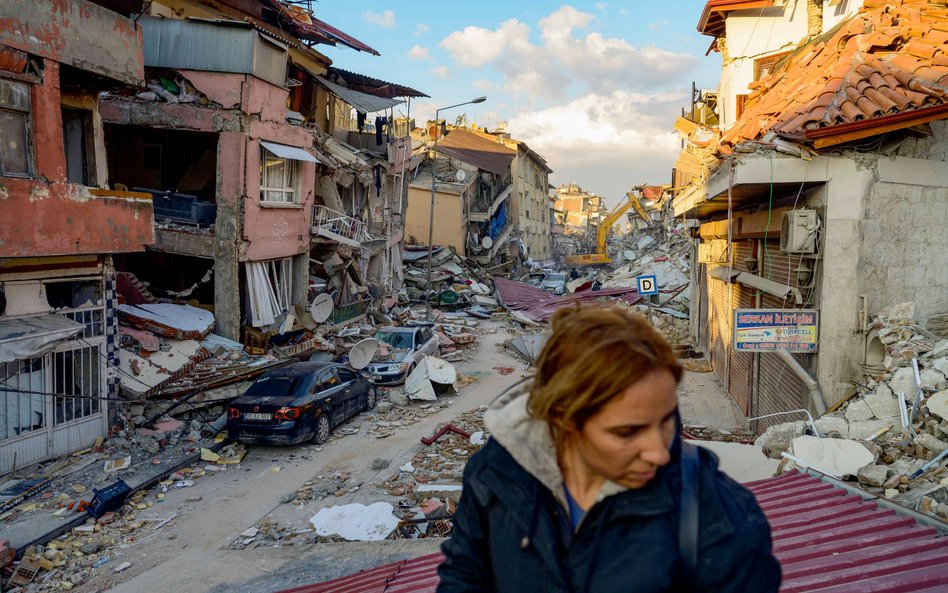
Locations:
{"points": [[835, 457], [900, 462]]}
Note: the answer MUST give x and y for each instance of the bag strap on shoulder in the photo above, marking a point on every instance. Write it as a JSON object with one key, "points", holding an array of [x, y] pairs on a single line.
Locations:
{"points": [[688, 513]]}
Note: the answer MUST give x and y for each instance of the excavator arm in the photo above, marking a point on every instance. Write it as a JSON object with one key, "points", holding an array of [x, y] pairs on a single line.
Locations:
{"points": [[602, 233]]}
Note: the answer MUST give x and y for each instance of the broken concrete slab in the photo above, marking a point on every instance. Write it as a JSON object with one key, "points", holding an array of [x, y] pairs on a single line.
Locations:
{"points": [[933, 380], [941, 365], [903, 383], [835, 457], [867, 428], [858, 411], [742, 463], [938, 404], [181, 322], [883, 403]]}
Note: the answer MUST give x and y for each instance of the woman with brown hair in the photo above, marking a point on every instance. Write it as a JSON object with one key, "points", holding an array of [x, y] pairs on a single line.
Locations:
{"points": [[584, 486]]}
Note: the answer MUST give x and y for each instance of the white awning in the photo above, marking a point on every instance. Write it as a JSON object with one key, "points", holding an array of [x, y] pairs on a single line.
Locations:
{"points": [[724, 274], [28, 337], [289, 152]]}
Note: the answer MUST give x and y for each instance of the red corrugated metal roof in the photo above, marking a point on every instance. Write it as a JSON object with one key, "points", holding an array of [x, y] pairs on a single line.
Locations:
{"points": [[540, 305], [826, 539]]}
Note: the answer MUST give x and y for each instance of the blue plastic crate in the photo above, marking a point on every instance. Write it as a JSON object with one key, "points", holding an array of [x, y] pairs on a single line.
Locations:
{"points": [[109, 498]]}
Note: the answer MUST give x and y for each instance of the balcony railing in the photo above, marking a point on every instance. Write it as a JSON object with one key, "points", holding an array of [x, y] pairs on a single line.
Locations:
{"points": [[347, 313], [339, 227], [489, 195]]}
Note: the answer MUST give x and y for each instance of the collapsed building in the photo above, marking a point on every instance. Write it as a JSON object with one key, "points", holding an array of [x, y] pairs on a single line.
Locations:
{"points": [[166, 180], [810, 193]]}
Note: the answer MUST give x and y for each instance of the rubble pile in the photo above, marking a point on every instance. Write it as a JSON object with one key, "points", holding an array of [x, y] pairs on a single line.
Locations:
{"points": [[98, 545], [897, 419], [457, 284]]}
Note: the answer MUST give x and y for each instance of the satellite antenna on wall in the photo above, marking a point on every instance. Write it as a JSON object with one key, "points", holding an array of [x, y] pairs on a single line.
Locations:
{"points": [[362, 353], [487, 243], [321, 308], [460, 175]]}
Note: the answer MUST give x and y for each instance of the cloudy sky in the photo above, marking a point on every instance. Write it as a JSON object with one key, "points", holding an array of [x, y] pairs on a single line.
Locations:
{"points": [[592, 86]]}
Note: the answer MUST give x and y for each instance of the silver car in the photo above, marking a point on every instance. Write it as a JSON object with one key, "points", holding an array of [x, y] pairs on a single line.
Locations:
{"points": [[407, 347], [555, 283]]}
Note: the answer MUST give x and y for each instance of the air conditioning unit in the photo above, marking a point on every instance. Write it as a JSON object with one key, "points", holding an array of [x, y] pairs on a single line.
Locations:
{"points": [[798, 232]]}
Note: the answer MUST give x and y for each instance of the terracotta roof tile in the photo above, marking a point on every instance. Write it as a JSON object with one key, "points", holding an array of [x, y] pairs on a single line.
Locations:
{"points": [[888, 59]]}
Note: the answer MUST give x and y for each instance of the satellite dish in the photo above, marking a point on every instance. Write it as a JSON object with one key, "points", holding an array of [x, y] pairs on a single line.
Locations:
{"points": [[487, 242], [629, 255], [460, 175], [362, 353], [321, 308]]}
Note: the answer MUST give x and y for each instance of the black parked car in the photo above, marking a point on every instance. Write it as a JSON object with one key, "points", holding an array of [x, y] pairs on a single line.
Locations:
{"points": [[300, 402]]}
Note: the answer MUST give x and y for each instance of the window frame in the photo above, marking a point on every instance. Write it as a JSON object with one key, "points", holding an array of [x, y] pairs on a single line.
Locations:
{"points": [[27, 113], [291, 179]]}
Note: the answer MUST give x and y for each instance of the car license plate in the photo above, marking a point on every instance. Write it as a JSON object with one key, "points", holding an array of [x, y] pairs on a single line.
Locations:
{"points": [[257, 416]]}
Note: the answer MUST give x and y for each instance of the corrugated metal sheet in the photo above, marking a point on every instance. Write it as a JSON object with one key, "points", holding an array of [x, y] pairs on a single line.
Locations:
{"points": [[720, 328], [212, 45], [361, 101], [826, 539], [539, 305], [704, 326]]}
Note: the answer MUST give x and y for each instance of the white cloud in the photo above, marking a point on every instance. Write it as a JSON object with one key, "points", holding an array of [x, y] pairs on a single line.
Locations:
{"points": [[384, 19], [616, 139], [483, 84], [624, 11], [475, 46], [441, 72], [565, 56], [658, 25], [602, 5], [419, 53], [421, 29]]}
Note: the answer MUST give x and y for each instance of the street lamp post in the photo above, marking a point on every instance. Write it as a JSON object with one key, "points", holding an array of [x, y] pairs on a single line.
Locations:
{"points": [[434, 149]]}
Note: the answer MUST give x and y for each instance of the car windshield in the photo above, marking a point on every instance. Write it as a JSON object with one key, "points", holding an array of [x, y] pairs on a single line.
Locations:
{"points": [[276, 386], [395, 339], [555, 277]]}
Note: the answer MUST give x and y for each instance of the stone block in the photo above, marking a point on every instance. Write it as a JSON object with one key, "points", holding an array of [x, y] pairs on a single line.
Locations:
{"points": [[940, 350], [938, 404], [938, 325], [777, 438], [828, 425], [930, 442], [873, 474], [835, 457], [858, 410], [883, 403]]}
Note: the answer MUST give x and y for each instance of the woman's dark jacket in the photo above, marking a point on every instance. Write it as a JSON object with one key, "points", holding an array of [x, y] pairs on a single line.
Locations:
{"points": [[511, 533]]}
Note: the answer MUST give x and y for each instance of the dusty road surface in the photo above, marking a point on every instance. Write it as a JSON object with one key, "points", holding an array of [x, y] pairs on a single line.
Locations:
{"points": [[190, 554]]}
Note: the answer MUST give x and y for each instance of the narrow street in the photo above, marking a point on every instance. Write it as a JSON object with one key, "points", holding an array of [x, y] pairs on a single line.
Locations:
{"points": [[190, 555]]}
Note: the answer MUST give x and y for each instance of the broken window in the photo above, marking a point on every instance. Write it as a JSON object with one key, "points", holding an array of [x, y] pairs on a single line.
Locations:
{"points": [[23, 388], [81, 300], [279, 178], [78, 384], [78, 145], [270, 288], [15, 105]]}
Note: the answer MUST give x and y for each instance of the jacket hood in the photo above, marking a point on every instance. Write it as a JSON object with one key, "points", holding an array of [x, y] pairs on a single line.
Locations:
{"points": [[529, 441]]}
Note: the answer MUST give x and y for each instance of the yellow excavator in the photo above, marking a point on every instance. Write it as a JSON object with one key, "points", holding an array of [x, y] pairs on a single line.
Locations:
{"points": [[601, 257]]}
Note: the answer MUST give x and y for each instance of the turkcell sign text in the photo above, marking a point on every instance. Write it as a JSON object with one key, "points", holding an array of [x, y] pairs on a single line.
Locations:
{"points": [[762, 330]]}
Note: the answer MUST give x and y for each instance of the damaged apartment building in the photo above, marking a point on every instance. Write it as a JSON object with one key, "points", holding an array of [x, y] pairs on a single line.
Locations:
{"points": [[818, 197], [274, 175], [60, 225], [491, 201]]}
